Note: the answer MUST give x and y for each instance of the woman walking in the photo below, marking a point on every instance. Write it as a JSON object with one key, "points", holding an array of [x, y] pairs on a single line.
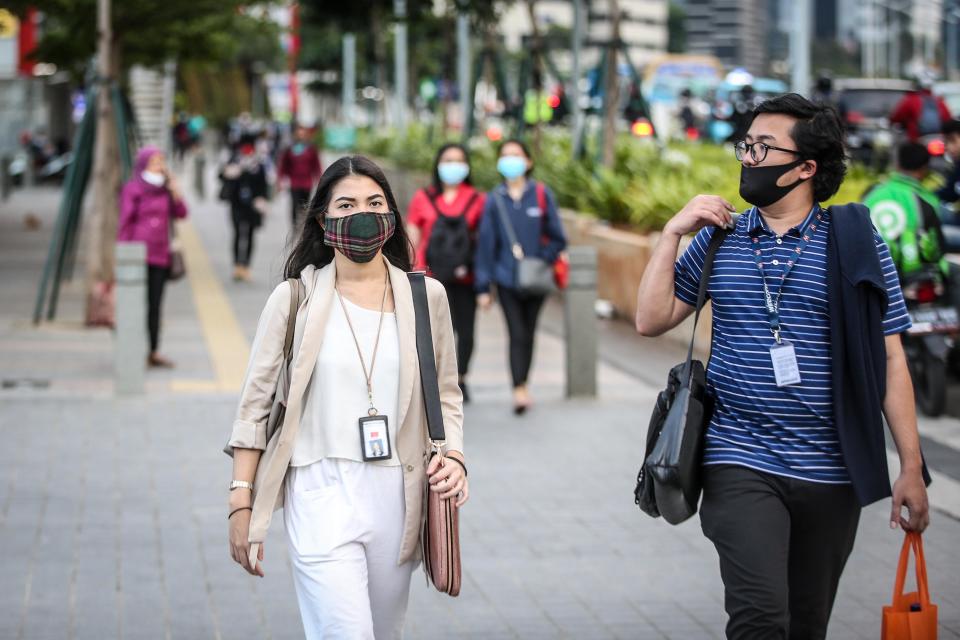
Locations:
{"points": [[526, 210], [442, 222], [245, 188], [149, 202], [352, 495]]}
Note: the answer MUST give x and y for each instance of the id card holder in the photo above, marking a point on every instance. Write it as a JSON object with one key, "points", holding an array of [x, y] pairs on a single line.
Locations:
{"points": [[375, 438], [785, 367]]}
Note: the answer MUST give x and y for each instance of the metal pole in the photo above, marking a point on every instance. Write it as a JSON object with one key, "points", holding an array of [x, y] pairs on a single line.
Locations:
{"points": [[951, 61], [800, 48], [349, 77], [400, 62], [581, 322], [577, 47], [463, 66], [130, 341]]}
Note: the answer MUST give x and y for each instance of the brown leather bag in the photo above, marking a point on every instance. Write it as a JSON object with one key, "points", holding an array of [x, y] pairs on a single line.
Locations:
{"points": [[440, 532]]}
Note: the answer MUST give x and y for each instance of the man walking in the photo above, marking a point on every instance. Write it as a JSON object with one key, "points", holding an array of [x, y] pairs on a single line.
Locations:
{"points": [[807, 312]]}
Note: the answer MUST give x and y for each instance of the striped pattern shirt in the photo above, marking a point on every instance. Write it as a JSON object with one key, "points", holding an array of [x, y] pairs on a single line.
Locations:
{"points": [[787, 431]]}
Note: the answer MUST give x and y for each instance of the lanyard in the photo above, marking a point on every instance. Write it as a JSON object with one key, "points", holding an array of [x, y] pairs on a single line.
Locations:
{"points": [[771, 301], [368, 375]]}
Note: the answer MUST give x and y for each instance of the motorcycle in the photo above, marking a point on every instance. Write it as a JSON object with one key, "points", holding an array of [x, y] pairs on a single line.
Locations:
{"points": [[931, 340]]}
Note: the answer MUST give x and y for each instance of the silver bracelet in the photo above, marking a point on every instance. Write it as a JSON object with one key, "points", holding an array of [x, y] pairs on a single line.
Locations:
{"points": [[241, 484]]}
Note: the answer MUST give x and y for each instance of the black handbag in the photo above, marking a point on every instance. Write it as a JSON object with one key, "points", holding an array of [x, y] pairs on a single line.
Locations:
{"points": [[669, 481]]}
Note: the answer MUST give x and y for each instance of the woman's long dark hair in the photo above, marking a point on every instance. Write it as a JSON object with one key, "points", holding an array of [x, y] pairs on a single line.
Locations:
{"points": [[437, 183], [309, 247]]}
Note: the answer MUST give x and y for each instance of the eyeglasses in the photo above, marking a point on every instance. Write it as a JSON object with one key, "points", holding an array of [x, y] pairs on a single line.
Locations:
{"points": [[758, 150]]}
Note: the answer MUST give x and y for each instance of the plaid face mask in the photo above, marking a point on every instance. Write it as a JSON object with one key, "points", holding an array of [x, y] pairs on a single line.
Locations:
{"points": [[359, 236]]}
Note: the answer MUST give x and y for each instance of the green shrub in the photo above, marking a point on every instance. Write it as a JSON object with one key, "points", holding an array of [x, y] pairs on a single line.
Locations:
{"points": [[646, 187]]}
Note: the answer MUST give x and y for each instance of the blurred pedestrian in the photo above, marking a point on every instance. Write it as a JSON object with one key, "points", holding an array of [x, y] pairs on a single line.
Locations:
{"points": [[244, 186], [149, 203], [919, 112], [530, 210], [300, 167], [950, 191], [352, 518], [906, 213], [744, 102], [442, 223], [806, 361]]}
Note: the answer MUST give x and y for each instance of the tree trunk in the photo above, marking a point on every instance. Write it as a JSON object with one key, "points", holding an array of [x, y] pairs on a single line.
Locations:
{"points": [[102, 223], [611, 102]]}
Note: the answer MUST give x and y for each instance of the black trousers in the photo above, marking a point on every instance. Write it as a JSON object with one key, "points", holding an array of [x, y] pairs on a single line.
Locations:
{"points": [[156, 283], [243, 229], [463, 312], [299, 200], [782, 544], [521, 312]]}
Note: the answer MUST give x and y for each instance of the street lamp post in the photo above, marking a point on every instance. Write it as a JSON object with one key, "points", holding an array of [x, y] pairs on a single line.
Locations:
{"points": [[463, 65], [349, 77], [800, 47], [400, 60]]}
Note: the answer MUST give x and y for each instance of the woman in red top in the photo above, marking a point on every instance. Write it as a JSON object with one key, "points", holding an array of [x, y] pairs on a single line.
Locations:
{"points": [[442, 223]]}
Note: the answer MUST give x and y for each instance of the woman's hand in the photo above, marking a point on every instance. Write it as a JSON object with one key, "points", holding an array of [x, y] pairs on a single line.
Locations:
{"points": [[448, 480], [484, 301], [240, 545], [261, 205]]}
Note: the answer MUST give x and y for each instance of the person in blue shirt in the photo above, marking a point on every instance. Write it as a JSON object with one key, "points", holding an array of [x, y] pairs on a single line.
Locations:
{"points": [[531, 210], [781, 493]]}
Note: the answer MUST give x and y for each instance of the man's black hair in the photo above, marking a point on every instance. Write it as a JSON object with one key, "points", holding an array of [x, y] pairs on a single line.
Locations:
{"points": [[818, 135], [912, 156], [951, 127]]}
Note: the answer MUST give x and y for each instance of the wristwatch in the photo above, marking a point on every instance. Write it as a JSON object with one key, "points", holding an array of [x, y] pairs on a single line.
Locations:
{"points": [[241, 484]]}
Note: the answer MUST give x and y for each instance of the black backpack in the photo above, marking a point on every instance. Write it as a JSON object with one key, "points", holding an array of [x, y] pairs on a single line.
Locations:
{"points": [[450, 246]]}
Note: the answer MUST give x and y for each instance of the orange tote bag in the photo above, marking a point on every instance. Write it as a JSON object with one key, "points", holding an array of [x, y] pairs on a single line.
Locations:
{"points": [[911, 616]]}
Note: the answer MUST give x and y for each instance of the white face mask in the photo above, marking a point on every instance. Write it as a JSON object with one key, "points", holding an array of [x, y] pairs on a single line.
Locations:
{"points": [[153, 177]]}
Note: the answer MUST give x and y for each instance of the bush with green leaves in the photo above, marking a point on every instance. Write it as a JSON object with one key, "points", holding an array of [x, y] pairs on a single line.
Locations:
{"points": [[646, 186]]}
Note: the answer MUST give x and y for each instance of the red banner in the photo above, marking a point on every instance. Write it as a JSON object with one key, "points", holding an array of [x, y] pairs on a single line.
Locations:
{"points": [[27, 42]]}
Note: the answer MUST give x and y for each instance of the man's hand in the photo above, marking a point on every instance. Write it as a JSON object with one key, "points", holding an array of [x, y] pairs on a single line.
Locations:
{"points": [[700, 212], [910, 491]]}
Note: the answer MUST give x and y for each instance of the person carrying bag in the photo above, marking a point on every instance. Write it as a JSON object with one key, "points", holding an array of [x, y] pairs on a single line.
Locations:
{"points": [[669, 483]]}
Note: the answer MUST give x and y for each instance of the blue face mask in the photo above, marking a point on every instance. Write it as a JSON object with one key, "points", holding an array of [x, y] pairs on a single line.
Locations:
{"points": [[512, 167], [453, 173], [298, 148]]}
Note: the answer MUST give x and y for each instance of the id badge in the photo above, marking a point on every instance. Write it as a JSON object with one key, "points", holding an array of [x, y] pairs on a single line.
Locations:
{"points": [[785, 366], [375, 438]]}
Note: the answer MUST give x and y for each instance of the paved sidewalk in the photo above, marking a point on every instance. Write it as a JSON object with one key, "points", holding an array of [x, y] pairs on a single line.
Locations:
{"points": [[112, 512]]}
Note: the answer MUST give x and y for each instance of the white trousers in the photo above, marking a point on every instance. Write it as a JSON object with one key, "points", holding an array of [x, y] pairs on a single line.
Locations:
{"points": [[344, 521]]}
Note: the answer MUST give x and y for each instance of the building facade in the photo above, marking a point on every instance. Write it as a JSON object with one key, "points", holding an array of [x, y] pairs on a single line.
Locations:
{"points": [[735, 31]]}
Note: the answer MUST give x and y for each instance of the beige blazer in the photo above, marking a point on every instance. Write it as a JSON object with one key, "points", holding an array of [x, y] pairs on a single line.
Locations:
{"points": [[266, 359]]}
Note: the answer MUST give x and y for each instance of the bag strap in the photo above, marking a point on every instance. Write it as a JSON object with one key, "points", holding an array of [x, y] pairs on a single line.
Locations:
{"points": [[515, 246], [429, 382], [912, 541], [433, 202], [296, 297], [719, 235]]}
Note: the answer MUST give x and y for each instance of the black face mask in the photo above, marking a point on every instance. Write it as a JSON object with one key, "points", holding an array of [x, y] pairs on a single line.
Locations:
{"points": [[758, 185]]}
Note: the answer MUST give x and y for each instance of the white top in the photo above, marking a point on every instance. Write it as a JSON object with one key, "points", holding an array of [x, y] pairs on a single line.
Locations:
{"points": [[337, 395]]}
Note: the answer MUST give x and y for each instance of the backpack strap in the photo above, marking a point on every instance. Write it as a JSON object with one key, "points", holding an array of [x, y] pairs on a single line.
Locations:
{"points": [[433, 202]]}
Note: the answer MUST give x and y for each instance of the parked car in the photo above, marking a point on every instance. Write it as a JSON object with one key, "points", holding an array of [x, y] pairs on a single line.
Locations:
{"points": [[865, 105]]}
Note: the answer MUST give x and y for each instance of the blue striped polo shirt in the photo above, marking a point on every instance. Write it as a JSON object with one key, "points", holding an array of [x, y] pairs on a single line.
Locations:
{"points": [[787, 431]]}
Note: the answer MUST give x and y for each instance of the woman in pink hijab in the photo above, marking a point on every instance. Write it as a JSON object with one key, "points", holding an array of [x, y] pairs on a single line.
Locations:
{"points": [[148, 204]]}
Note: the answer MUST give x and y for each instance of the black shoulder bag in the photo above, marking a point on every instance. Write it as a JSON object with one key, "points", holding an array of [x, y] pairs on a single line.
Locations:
{"points": [[669, 483]]}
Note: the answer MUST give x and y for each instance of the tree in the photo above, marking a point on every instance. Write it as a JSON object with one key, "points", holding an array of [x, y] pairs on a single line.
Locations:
{"points": [[611, 99], [145, 32], [676, 29]]}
